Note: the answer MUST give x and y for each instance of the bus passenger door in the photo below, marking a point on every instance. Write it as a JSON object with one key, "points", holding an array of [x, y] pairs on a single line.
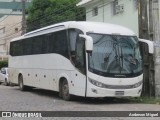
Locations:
{"points": [[79, 74]]}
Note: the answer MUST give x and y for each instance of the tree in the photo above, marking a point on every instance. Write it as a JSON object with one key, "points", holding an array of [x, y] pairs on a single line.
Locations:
{"points": [[46, 12]]}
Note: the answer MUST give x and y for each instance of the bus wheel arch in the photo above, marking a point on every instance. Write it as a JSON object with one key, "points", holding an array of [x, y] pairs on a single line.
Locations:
{"points": [[64, 89], [19, 77]]}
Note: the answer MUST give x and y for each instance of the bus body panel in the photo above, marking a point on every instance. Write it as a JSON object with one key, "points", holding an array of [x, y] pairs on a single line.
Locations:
{"points": [[78, 83], [75, 80], [38, 73], [102, 28], [46, 75]]}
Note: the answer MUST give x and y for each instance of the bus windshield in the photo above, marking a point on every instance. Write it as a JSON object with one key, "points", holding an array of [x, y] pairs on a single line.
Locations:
{"points": [[115, 56]]}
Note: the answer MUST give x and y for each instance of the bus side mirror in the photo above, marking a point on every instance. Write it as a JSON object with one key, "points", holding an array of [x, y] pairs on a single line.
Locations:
{"points": [[88, 42], [149, 43]]}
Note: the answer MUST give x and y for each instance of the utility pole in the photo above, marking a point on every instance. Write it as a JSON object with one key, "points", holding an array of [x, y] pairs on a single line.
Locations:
{"points": [[151, 57], [143, 19], [156, 37], [151, 20], [144, 33], [23, 17]]}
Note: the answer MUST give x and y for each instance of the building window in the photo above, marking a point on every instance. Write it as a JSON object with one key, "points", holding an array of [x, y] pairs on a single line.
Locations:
{"points": [[117, 8], [115, 4], [95, 11], [17, 10]]}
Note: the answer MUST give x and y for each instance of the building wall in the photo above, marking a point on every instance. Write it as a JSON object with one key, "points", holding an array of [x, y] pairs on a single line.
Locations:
{"points": [[128, 18], [10, 23], [9, 29]]}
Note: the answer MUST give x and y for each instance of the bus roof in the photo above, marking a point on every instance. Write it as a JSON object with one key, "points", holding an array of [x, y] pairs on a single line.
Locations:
{"points": [[85, 26], [103, 28]]}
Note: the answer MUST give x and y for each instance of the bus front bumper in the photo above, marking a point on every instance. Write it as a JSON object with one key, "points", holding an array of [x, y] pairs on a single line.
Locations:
{"points": [[94, 91]]}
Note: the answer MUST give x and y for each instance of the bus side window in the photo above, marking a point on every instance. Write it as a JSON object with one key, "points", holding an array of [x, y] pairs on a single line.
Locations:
{"points": [[72, 40], [17, 48], [80, 55], [73, 34], [27, 43], [61, 43], [48, 43], [37, 44]]}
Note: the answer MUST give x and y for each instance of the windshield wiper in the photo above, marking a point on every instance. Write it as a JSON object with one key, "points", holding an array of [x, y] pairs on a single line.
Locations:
{"points": [[121, 57], [115, 59], [119, 54]]}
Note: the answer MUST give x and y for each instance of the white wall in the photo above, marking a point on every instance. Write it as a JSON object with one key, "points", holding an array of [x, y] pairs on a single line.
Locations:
{"points": [[10, 23], [129, 18]]}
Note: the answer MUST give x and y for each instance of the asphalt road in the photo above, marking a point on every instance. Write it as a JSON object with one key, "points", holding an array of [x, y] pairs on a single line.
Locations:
{"points": [[12, 99]]}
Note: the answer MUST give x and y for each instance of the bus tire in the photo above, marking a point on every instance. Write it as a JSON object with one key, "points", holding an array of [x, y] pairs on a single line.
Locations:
{"points": [[22, 87], [5, 82], [65, 91]]}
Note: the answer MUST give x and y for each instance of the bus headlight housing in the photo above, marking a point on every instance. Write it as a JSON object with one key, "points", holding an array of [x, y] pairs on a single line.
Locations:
{"points": [[96, 83], [138, 84]]}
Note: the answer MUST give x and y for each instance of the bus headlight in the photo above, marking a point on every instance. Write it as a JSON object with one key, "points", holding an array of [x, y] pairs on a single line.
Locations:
{"points": [[99, 84], [96, 83], [138, 84]]}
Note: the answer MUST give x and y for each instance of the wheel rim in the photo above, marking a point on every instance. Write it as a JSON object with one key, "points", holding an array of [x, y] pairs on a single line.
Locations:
{"points": [[65, 90], [20, 83], [5, 82]]}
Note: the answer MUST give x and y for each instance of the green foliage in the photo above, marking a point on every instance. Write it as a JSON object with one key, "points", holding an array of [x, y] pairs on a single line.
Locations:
{"points": [[3, 64], [46, 12], [145, 100], [149, 100]]}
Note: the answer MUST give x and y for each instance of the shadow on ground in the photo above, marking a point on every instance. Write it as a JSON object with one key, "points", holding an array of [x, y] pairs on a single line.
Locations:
{"points": [[82, 100]]}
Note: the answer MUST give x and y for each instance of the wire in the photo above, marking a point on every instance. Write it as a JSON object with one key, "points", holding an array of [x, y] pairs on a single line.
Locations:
{"points": [[9, 26], [42, 18], [60, 20], [11, 35], [57, 10], [12, 27], [8, 35], [68, 19]]}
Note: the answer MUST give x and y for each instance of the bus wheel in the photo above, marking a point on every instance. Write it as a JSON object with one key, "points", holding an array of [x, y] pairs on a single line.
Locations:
{"points": [[21, 85], [65, 91], [6, 83]]}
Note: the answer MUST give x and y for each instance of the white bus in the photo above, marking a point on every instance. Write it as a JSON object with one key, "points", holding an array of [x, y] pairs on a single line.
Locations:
{"points": [[86, 59]]}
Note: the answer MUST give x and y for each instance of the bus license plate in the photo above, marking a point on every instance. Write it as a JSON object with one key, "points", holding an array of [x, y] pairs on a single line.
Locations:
{"points": [[119, 93]]}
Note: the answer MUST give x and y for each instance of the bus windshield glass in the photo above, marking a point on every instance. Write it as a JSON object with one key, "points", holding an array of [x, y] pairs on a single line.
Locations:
{"points": [[115, 56]]}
